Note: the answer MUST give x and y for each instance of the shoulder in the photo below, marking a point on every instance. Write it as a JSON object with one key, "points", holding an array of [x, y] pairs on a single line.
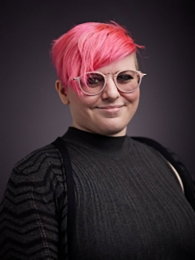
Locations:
{"points": [[38, 168], [38, 176], [146, 145], [42, 156], [154, 146], [173, 160], [159, 150]]}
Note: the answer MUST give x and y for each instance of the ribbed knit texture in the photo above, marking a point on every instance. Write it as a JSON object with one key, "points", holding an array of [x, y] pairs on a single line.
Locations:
{"points": [[129, 204]]}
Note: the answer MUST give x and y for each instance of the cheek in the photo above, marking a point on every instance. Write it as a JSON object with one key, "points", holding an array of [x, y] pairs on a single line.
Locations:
{"points": [[88, 102], [132, 97], [83, 105]]}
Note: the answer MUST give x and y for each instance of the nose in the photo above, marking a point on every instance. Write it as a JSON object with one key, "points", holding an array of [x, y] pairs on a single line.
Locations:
{"points": [[110, 91]]}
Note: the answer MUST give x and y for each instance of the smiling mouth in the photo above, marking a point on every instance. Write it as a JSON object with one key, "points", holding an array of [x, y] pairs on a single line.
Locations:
{"points": [[111, 108]]}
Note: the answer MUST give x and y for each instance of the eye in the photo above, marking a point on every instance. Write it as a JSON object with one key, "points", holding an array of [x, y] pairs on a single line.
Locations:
{"points": [[127, 77], [94, 80], [124, 77]]}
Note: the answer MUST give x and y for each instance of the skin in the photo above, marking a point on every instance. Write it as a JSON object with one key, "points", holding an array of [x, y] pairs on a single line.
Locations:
{"points": [[107, 113]]}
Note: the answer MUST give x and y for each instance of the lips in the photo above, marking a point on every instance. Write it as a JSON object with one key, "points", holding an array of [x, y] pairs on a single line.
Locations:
{"points": [[110, 109]]}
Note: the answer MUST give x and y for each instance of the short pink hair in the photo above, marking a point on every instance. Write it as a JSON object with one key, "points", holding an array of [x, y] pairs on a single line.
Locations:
{"points": [[87, 47]]}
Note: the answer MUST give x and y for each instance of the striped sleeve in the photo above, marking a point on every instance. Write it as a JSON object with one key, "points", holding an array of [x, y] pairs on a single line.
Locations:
{"points": [[33, 211]]}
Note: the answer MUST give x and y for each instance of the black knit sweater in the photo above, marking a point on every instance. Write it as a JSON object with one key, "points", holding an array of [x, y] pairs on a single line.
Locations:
{"points": [[129, 204]]}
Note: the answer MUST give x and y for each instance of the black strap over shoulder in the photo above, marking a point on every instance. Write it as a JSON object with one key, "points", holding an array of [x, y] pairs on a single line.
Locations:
{"points": [[61, 146], [183, 172]]}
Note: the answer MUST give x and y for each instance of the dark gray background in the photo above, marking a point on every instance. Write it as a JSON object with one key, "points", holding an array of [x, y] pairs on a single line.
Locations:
{"points": [[31, 113]]}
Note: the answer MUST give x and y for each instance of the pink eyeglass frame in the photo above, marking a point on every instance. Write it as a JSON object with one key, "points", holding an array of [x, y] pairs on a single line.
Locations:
{"points": [[105, 79]]}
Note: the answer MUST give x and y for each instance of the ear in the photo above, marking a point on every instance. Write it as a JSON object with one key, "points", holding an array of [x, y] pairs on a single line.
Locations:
{"points": [[61, 92]]}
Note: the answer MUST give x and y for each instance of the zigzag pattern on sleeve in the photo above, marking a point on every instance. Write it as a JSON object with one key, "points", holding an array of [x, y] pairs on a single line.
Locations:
{"points": [[34, 209]]}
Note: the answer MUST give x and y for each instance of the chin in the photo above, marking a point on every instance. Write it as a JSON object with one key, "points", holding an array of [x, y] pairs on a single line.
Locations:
{"points": [[113, 127]]}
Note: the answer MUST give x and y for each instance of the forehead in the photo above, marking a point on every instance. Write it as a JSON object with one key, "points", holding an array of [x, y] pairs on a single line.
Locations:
{"points": [[126, 63]]}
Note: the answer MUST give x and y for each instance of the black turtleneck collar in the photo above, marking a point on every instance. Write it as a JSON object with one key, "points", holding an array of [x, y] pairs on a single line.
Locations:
{"points": [[96, 141]]}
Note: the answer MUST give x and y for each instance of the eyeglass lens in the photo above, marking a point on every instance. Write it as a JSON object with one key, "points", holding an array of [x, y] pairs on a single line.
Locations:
{"points": [[126, 81]]}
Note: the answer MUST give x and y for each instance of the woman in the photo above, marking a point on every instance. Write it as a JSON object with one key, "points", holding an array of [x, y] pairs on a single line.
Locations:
{"points": [[124, 201]]}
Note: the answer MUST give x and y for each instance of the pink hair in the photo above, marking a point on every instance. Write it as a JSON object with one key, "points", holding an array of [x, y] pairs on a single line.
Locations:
{"points": [[87, 47]]}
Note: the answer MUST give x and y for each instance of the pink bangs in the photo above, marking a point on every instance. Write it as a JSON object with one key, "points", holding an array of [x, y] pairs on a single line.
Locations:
{"points": [[87, 47]]}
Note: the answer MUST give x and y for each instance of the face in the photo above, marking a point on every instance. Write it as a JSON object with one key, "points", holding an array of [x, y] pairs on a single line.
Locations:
{"points": [[109, 112]]}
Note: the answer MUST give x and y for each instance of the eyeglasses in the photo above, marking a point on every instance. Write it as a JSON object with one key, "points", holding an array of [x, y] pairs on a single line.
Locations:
{"points": [[93, 83]]}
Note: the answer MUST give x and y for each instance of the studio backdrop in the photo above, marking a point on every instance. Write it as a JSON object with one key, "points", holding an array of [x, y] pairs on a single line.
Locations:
{"points": [[31, 112]]}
